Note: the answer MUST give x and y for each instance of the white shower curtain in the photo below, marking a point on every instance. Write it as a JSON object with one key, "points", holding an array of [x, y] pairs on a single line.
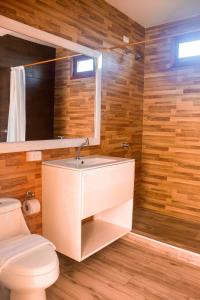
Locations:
{"points": [[17, 109]]}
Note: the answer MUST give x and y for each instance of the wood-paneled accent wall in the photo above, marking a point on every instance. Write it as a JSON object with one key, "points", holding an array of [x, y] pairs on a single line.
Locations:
{"points": [[74, 100], [171, 127], [96, 24]]}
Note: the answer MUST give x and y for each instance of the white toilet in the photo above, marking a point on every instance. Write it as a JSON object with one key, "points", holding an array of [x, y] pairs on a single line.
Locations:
{"points": [[26, 276]]}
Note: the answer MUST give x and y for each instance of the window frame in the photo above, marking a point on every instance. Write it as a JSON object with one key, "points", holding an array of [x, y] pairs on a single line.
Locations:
{"points": [[79, 75], [184, 39]]}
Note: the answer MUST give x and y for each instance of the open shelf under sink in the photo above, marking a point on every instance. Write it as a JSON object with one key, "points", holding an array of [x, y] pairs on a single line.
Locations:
{"points": [[97, 234]]}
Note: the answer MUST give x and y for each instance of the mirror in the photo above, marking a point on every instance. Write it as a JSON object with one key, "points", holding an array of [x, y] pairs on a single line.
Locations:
{"points": [[46, 92], [50, 90]]}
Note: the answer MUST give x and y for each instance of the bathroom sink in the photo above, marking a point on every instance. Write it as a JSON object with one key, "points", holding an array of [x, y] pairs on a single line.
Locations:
{"points": [[85, 162]]}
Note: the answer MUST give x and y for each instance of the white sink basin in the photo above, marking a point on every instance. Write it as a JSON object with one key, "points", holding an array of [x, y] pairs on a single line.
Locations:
{"points": [[85, 162]]}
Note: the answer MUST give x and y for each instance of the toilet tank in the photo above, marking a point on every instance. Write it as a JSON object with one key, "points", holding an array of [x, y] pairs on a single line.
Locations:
{"points": [[12, 222]]}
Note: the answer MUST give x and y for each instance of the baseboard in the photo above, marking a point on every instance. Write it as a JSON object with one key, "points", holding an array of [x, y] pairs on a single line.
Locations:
{"points": [[165, 249]]}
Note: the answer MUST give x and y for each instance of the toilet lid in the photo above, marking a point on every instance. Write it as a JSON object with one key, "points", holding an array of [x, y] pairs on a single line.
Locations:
{"points": [[37, 262]]}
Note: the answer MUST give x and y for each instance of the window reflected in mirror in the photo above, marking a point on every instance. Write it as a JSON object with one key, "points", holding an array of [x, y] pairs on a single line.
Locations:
{"points": [[46, 92], [83, 66]]}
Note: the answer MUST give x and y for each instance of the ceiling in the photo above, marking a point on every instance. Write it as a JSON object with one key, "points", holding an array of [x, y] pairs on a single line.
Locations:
{"points": [[155, 12]]}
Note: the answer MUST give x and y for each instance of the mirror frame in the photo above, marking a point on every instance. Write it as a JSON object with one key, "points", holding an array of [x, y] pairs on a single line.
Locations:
{"points": [[30, 31]]}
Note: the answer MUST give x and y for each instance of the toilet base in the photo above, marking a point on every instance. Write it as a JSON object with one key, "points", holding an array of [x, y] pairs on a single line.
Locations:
{"points": [[32, 295], [4, 293]]}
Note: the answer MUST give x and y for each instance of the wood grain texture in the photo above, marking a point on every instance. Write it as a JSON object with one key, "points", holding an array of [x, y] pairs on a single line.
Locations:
{"points": [[96, 24], [126, 271], [171, 127], [74, 101], [183, 234]]}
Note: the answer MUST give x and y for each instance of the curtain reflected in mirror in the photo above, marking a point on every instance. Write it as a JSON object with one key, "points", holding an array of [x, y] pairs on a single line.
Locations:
{"points": [[17, 108], [46, 92]]}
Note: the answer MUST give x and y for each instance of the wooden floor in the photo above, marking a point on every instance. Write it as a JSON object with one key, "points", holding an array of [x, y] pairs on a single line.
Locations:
{"points": [[125, 271], [170, 230]]}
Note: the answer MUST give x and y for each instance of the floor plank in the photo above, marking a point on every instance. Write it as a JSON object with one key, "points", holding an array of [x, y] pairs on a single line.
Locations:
{"points": [[124, 271]]}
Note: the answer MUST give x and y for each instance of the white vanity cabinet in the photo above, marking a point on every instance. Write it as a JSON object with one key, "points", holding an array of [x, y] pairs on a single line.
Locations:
{"points": [[87, 204]]}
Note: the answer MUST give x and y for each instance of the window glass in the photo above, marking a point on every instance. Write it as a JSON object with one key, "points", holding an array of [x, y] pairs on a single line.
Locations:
{"points": [[189, 49], [85, 65]]}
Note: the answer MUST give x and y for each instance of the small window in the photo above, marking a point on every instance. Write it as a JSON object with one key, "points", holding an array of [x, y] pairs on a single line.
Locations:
{"points": [[83, 66], [188, 49]]}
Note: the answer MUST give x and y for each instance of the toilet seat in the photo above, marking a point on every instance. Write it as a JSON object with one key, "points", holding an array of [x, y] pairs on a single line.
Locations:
{"points": [[28, 262], [37, 262], [38, 268]]}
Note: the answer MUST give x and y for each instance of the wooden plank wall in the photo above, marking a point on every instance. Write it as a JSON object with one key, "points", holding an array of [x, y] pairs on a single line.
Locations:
{"points": [[96, 24], [74, 100], [171, 132]]}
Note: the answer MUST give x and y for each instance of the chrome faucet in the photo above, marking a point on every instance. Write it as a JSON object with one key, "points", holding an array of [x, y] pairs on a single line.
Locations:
{"points": [[78, 151]]}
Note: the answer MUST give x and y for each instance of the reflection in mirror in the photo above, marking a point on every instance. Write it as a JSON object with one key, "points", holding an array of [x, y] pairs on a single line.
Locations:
{"points": [[46, 92]]}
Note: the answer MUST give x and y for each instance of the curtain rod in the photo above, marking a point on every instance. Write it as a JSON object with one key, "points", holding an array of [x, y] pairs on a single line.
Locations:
{"points": [[119, 46], [122, 46], [50, 60]]}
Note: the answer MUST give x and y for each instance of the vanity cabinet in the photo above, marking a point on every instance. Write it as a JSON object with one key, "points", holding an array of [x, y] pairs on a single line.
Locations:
{"points": [[86, 207]]}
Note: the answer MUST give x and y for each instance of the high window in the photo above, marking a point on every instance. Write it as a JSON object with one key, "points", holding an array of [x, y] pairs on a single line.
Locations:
{"points": [[188, 48]]}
